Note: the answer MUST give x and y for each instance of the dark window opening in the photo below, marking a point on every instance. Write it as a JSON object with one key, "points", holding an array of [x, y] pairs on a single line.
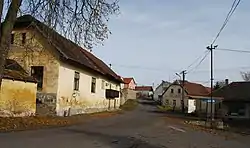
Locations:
{"points": [[179, 91], [37, 73], [12, 38], [23, 38], [76, 80], [174, 102], [172, 90], [93, 85]]}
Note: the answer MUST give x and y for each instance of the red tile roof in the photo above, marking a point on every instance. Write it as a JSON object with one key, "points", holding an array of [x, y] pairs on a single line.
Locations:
{"points": [[127, 80], [144, 88], [195, 89], [67, 50]]}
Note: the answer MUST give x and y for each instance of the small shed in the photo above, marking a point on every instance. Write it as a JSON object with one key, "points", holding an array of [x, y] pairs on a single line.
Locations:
{"points": [[18, 91]]}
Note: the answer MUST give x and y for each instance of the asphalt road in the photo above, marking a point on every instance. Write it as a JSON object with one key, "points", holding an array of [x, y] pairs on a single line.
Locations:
{"points": [[141, 128]]}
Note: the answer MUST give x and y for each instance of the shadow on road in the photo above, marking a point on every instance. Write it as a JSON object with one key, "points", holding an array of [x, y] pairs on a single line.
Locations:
{"points": [[115, 141]]}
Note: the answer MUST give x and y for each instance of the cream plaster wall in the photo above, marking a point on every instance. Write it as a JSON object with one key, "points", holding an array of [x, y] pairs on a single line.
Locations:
{"points": [[82, 101]]}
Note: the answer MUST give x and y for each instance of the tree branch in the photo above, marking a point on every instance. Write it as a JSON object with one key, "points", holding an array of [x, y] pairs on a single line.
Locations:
{"points": [[9, 21]]}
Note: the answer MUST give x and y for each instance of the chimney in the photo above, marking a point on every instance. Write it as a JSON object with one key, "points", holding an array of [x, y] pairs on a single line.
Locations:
{"points": [[226, 81]]}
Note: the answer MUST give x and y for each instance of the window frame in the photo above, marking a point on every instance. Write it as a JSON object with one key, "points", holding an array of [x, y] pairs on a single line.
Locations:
{"points": [[76, 84], [12, 38], [39, 83], [24, 38], [171, 90], [179, 90], [93, 85], [103, 84]]}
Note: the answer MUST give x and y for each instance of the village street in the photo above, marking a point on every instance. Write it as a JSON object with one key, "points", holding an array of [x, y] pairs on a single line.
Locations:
{"points": [[141, 128]]}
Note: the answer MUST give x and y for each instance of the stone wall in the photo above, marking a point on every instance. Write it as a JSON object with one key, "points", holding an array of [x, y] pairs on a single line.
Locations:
{"points": [[46, 103], [127, 94]]}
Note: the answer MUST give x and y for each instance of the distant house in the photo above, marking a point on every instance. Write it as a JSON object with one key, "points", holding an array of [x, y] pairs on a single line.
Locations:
{"points": [[129, 83], [236, 99], [71, 80], [144, 91], [196, 97], [18, 91], [160, 89]]}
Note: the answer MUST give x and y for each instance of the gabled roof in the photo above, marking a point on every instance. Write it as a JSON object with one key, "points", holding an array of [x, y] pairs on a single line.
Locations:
{"points": [[128, 80], [163, 83], [192, 89], [234, 91], [67, 50], [195, 89], [14, 71], [144, 88]]}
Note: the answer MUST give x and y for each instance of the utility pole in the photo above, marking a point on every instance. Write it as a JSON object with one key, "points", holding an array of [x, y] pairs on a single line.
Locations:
{"points": [[183, 90], [211, 48]]}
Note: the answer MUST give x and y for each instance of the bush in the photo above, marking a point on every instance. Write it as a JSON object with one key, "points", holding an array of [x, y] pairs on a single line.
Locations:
{"points": [[129, 105]]}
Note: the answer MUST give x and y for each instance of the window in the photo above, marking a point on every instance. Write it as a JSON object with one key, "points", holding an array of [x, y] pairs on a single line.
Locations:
{"points": [[76, 80], [93, 85], [103, 84], [167, 102], [37, 73], [107, 84], [172, 90], [23, 38], [174, 102], [179, 90], [12, 38]]}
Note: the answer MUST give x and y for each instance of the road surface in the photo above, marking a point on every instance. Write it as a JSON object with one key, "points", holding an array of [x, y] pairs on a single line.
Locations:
{"points": [[141, 128]]}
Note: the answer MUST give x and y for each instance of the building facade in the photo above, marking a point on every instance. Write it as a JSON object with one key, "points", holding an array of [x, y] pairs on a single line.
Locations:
{"points": [[71, 80]]}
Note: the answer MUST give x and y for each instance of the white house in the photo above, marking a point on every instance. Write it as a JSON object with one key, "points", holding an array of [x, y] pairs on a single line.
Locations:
{"points": [[71, 80], [160, 89], [193, 93]]}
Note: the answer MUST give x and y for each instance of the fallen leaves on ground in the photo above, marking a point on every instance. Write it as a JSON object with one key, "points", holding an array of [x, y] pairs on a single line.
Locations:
{"points": [[8, 124]]}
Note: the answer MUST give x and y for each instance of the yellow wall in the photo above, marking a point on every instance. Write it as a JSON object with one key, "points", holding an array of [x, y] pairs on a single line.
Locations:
{"points": [[17, 98], [36, 53], [82, 101]]}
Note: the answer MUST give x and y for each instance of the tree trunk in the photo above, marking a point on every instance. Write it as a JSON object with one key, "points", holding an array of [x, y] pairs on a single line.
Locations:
{"points": [[5, 32]]}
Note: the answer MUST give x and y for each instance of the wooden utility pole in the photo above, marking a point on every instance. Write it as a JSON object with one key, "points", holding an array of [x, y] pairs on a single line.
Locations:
{"points": [[211, 48], [183, 91]]}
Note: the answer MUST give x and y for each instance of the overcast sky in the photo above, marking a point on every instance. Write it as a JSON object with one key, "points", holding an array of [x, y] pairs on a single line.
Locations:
{"points": [[153, 39]]}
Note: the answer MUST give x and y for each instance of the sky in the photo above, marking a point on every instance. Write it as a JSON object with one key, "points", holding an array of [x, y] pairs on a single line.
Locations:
{"points": [[152, 40]]}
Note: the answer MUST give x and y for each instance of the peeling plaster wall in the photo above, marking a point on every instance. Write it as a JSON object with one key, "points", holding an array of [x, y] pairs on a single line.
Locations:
{"points": [[83, 101], [17, 98], [174, 96], [37, 52]]}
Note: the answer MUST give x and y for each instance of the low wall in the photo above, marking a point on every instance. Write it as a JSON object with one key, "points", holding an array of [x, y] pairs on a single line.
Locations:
{"points": [[17, 98], [45, 103], [127, 94]]}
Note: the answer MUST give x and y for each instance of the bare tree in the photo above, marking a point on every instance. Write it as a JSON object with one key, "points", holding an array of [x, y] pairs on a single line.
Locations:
{"points": [[84, 21], [245, 76]]}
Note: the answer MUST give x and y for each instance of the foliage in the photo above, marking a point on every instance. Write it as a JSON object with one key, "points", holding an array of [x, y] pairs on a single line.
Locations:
{"points": [[245, 75], [165, 108], [219, 84], [84, 21], [129, 105]]}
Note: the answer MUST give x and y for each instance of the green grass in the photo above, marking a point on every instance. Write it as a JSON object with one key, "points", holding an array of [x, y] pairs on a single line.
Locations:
{"points": [[129, 105], [164, 108]]}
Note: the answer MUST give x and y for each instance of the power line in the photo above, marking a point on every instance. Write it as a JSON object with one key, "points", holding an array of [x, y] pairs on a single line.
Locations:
{"points": [[196, 60], [163, 70], [230, 13], [233, 50], [204, 57]]}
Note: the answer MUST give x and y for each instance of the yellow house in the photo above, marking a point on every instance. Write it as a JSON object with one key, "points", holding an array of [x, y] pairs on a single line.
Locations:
{"points": [[18, 91], [71, 80]]}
